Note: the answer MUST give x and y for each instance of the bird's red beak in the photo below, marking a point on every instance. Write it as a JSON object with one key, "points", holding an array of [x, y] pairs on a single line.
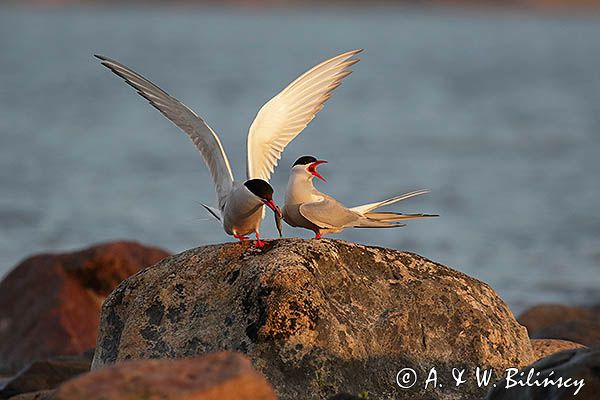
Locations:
{"points": [[271, 204], [312, 168]]}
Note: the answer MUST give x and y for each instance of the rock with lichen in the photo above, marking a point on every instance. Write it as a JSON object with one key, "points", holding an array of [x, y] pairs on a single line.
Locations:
{"points": [[316, 317]]}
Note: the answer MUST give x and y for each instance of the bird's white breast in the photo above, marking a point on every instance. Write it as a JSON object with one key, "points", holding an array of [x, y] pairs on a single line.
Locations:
{"points": [[243, 211]]}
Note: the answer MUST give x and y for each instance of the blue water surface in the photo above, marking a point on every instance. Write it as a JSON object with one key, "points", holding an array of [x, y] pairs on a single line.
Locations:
{"points": [[499, 115]]}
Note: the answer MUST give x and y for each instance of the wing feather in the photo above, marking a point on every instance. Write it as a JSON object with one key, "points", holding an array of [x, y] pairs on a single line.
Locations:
{"points": [[203, 137], [283, 117], [328, 214]]}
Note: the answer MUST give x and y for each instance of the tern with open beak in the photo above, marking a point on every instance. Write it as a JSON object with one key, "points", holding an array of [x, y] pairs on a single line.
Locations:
{"points": [[306, 207], [278, 122]]}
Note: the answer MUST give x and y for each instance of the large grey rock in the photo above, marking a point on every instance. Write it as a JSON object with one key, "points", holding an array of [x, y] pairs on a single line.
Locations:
{"points": [[569, 367], [317, 317]]}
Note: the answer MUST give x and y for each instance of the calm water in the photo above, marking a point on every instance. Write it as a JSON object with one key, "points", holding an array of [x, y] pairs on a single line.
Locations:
{"points": [[498, 115]]}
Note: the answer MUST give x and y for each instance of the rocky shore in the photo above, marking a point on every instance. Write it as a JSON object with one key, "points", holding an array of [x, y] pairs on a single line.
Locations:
{"points": [[298, 319]]}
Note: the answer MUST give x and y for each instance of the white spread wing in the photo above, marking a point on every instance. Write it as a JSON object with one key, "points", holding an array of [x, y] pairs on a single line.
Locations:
{"points": [[202, 135], [283, 117]]}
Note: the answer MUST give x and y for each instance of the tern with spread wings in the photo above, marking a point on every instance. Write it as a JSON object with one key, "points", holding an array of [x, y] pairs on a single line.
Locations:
{"points": [[306, 207], [240, 204]]}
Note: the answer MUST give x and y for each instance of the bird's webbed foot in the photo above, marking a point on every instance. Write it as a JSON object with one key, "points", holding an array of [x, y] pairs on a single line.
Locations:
{"points": [[240, 237], [260, 243]]}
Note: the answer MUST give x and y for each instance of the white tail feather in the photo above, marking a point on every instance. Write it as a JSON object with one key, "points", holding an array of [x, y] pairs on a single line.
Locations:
{"points": [[391, 216], [372, 206]]}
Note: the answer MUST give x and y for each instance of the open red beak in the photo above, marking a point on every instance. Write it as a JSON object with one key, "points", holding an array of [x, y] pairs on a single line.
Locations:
{"points": [[312, 168], [271, 204]]}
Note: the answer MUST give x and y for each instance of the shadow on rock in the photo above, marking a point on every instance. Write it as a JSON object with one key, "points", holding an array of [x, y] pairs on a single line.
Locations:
{"points": [[563, 372]]}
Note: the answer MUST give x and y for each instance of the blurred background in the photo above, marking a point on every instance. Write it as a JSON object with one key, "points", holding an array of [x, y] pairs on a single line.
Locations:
{"points": [[495, 109]]}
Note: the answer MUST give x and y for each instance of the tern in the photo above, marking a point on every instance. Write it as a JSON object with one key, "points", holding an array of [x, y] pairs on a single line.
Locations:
{"points": [[306, 207], [240, 203]]}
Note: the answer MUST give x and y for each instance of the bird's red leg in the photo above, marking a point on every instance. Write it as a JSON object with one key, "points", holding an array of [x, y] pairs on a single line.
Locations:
{"points": [[240, 237], [260, 243], [317, 235]]}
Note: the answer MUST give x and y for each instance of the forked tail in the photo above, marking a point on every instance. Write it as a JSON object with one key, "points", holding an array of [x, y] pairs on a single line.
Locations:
{"points": [[387, 219]]}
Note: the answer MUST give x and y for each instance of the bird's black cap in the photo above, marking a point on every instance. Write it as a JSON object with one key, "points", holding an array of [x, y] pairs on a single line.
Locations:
{"points": [[260, 188], [304, 160]]}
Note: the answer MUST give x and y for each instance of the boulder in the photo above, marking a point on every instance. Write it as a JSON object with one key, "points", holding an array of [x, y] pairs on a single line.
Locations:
{"points": [[317, 317], [41, 395], [566, 369], [545, 347], [554, 321], [50, 303], [545, 315], [45, 375], [215, 376], [584, 332]]}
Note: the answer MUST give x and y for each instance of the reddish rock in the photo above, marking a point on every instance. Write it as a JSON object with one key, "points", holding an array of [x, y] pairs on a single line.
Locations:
{"points": [[50, 303], [545, 347], [214, 376], [545, 315], [554, 321], [579, 331]]}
